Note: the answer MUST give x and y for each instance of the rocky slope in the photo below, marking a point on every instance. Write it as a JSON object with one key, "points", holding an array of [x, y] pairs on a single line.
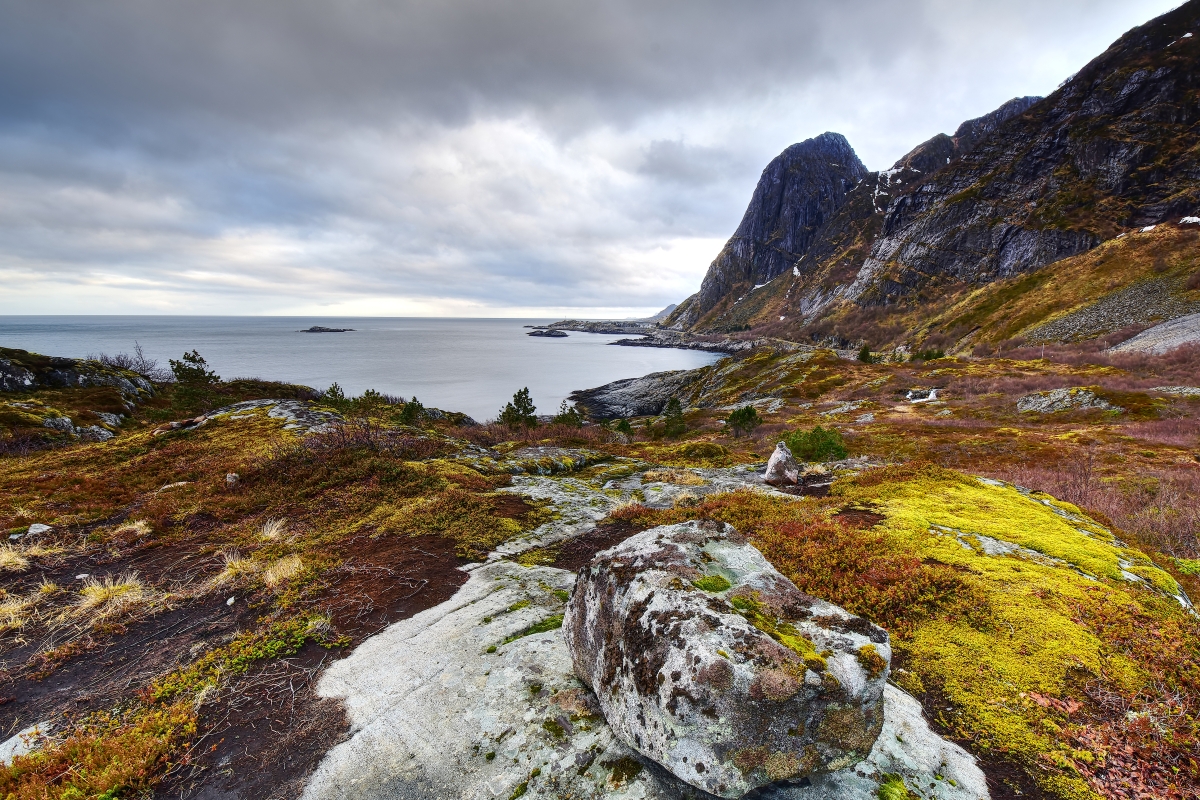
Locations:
{"points": [[1034, 182]]}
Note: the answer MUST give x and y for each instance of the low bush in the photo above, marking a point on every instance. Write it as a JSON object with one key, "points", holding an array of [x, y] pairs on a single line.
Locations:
{"points": [[817, 444]]}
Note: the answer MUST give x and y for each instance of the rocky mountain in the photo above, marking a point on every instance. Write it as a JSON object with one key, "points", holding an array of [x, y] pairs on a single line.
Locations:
{"points": [[1032, 183], [798, 193]]}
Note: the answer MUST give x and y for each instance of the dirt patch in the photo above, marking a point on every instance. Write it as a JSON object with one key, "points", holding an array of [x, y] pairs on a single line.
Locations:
{"points": [[104, 672], [575, 554], [267, 731]]}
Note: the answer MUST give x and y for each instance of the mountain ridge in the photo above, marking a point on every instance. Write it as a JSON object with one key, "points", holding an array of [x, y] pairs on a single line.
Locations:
{"points": [[1034, 182]]}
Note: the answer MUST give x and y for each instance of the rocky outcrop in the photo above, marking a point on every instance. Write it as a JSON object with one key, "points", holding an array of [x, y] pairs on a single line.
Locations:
{"points": [[799, 191], [22, 371], [634, 397], [708, 661], [1073, 399], [554, 334], [485, 704], [297, 415]]}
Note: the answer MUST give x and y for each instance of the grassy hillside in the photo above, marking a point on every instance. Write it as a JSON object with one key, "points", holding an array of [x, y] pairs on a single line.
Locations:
{"points": [[168, 628]]}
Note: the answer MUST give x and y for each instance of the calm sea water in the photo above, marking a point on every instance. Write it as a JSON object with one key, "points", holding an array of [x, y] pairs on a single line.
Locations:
{"points": [[469, 365]]}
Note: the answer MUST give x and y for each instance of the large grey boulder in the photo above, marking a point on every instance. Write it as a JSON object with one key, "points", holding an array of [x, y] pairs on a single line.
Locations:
{"points": [[782, 469], [708, 661]]}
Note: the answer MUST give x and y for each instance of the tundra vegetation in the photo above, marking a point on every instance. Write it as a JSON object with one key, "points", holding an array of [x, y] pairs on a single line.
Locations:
{"points": [[194, 580]]}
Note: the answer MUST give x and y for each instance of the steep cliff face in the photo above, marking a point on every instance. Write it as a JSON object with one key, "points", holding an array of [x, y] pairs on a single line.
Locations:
{"points": [[799, 191], [1115, 148]]}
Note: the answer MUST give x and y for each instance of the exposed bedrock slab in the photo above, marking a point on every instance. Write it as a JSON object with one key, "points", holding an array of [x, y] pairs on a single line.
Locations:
{"points": [[1071, 399], [434, 715], [707, 660]]}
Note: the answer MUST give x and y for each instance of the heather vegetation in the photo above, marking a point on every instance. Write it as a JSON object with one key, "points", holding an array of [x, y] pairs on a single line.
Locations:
{"points": [[244, 554]]}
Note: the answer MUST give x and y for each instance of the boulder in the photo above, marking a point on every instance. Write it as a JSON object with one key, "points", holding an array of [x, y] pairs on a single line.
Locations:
{"points": [[711, 663], [782, 469], [1077, 398]]}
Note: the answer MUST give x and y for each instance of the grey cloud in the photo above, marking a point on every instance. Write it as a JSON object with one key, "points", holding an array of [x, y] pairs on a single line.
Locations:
{"points": [[279, 60], [252, 154]]}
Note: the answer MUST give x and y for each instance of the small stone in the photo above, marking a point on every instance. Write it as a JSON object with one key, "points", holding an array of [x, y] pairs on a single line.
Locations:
{"points": [[231, 478], [782, 469], [230, 601], [38, 528], [81, 576]]}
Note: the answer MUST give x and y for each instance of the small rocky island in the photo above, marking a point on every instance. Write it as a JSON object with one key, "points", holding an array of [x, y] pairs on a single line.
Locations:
{"points": [[545, 332], [322, 329]]}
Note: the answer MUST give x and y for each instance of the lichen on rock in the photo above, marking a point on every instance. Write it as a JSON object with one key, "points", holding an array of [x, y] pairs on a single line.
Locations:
{"points": [[730, 689]]}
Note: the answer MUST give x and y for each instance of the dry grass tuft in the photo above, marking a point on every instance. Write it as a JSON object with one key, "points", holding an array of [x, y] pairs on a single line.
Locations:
{"points": [[11, 560], [236, 568], [15, 613], [320, 627], [111, 596], [139, 528], [677, 476], [273, 528], [282, 570]]}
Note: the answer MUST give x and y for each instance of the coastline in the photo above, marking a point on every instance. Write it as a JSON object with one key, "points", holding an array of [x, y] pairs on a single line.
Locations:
{"points": [[648, 335]]}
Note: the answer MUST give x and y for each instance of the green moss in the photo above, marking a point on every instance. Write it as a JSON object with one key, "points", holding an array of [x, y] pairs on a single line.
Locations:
{"points": [[548, 624], [517, 606], [871, 661], [712, 583], [892, 788], [623, 769], [1188, 566], [1046, 626]]}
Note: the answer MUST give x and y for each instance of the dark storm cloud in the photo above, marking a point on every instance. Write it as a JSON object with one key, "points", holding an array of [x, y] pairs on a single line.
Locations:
{"points": [[452, 157], [275, 60]]}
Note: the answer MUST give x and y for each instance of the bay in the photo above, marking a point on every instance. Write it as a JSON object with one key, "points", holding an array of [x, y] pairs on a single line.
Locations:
{"points": [[468, 365]]}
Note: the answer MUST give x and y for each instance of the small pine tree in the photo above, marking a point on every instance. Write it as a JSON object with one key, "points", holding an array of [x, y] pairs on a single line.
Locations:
{"points": [[334, 396], [368, 402], [412, 412], [673, 417], [624, 427], [743, 420], [864, 355], [192, 370], [520, 412], [568, 415]]}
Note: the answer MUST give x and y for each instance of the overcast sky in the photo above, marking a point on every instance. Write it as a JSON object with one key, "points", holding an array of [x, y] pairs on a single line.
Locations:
{"points": [[458, 157]]}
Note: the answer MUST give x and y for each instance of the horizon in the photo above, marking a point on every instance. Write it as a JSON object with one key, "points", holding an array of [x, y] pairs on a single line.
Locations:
{"points": [[270, 159]]}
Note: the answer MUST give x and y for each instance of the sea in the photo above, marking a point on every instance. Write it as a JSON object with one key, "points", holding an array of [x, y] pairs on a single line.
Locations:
{"points": [[468, 365]]}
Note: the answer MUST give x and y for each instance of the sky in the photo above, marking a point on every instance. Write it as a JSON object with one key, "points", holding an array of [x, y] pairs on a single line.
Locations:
{"points": [[478, 158]]}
